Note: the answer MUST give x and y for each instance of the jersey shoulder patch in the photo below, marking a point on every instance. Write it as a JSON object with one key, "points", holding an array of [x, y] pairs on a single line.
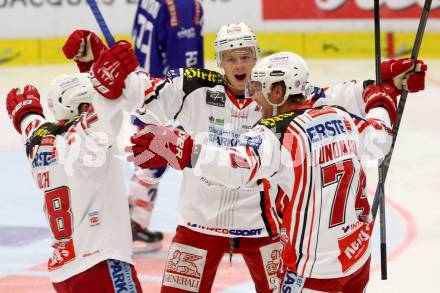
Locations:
{"points": [[281, 121], [195, 78], [47, 131], [278, 124]]}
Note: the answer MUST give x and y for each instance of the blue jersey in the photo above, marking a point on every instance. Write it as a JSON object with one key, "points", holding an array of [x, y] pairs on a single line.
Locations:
{"points": [[167, 34]]}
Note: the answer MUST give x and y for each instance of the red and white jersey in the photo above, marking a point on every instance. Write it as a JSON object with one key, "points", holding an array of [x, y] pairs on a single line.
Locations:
{"points": [[307, 163], [204, 106], [85, 201]]}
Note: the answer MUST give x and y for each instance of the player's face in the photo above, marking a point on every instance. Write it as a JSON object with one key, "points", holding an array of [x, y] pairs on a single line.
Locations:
{"points": [[266, 108], [266, 101], [254, 90], [237, 64]]}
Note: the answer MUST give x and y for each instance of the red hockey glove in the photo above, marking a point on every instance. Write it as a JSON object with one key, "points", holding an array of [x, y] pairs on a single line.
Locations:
{"points": [[401, 74], [157, 146], [381, 96], [21, 104], [84, 47], [109, 72]]}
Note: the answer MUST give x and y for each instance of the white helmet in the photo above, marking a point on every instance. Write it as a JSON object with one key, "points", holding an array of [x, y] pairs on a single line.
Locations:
{"points": [[233, 36], [66, 92], [284, 66]]}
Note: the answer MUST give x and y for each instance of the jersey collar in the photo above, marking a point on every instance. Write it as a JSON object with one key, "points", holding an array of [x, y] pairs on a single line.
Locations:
{"points": [[238, 103]]}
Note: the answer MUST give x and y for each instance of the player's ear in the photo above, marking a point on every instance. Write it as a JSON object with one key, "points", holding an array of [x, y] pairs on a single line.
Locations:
{"points": [[278, 93], [83, 107]]}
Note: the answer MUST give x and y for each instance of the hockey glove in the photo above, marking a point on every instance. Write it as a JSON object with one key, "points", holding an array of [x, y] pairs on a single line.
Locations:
{"points": [[84, 47], [157, 146], [401, 74], [20, 104], [109, 72], [383, 96]]}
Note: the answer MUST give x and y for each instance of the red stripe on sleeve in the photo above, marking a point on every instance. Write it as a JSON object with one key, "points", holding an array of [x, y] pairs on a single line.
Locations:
{"points": [[268, 207]]}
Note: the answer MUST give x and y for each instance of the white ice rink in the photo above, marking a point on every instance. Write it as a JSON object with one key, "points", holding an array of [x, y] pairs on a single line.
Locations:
{"points": [[412, 192]]}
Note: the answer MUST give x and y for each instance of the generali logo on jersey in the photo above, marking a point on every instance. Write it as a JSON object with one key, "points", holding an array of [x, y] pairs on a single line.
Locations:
{"points": [[271, 257], [184, 268], [345, 9]]}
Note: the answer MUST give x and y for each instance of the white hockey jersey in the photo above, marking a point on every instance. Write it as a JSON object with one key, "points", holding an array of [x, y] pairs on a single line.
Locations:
{"points": [[74, 165], [313, 156], [209, 111]]}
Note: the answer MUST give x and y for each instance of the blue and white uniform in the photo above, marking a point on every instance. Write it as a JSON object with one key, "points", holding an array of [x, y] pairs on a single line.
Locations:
{"points": [[167, 34]]}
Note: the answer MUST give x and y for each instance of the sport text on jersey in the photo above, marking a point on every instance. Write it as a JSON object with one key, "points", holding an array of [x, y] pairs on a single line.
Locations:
{"points": [[228, 231]]}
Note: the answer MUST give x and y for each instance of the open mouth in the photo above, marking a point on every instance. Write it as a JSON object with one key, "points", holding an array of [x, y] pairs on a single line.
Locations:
{"points": [[240, 77]]}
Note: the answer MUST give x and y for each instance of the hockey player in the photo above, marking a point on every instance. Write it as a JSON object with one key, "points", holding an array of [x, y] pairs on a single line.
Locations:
{"points": [[213, 219], [167, 35], [84, 47], [311, 157], [73, 163]]}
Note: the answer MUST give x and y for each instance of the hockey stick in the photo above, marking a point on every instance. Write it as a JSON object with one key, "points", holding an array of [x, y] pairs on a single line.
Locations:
{"points": [[379, 197], [381, 184], [377, 42], [414, 54], [101, 22]]}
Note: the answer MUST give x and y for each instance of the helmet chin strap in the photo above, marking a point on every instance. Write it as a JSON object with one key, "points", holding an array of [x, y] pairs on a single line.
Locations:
{"points": [[274, 106]]}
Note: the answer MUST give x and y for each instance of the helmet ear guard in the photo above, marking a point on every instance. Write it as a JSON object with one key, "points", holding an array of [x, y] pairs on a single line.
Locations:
{"points": [[282, 67], [66, 92], [234, 36]]}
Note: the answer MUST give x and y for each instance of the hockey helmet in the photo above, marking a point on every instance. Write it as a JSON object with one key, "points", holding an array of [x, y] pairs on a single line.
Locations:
{"points": [[285, 66], [66, 92], [234, 36]]}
